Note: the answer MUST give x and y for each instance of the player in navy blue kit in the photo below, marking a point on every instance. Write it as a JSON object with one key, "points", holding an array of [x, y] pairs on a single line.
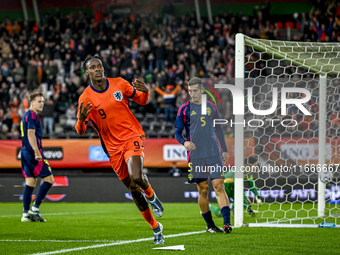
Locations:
{"points": [[207, 152], [32, 159]]}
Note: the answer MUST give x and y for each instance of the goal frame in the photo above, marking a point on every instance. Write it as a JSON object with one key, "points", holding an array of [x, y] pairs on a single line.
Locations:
{"points": [[239, 136]]}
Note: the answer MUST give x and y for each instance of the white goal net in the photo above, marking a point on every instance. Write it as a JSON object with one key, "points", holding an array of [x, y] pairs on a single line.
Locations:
{"points": [[292, 126]]}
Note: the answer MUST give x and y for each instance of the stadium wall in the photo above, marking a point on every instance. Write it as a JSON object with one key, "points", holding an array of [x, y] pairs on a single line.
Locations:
{"points": [[161, 153], [88, 153], [109, 188]]}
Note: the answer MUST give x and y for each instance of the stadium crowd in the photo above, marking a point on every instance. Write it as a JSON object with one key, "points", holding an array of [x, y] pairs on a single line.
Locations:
{"points": [[165, 52]]}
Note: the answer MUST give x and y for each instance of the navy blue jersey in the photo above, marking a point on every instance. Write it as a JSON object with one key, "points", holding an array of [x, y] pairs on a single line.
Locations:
{"points": [[199, 129], [30, 120]]}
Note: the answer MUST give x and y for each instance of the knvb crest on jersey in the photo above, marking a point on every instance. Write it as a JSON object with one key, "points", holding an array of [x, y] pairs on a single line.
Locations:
{"points": [[118, 96]]}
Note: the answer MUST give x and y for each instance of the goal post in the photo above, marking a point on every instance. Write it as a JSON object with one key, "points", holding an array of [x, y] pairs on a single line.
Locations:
{"points": [[322, 142], [294, 151], [239, 133]]}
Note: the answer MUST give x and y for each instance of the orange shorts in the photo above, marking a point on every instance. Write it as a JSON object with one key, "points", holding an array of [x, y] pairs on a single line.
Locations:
{"points": [[131, 147]]}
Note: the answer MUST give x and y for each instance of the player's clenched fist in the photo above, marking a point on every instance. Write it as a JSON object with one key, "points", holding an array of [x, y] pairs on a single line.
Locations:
{"points": [[190, 146], [37, 155], [140, 86], [84, 112], [225, 157]]}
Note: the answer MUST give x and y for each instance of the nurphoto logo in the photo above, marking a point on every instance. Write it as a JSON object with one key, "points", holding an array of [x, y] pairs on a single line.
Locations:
{"points": [[238, 105]]}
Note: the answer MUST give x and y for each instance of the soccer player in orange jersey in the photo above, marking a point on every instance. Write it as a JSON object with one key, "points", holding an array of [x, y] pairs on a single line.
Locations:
{"points": [[105, 104]]}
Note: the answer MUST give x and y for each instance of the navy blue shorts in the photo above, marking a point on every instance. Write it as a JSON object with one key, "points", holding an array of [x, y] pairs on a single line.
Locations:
{"points": [[199, 170], [33, 168]]}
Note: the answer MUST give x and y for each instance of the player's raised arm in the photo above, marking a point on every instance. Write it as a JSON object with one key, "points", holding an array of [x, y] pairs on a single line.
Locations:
{"points": [[140, 86], [138, 92], [83, 113]]}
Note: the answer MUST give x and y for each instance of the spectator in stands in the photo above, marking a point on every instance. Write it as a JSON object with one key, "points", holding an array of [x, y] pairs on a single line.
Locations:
{"points": [[4, 95], [159, 52], [169, 51], [169, 96], [322, 31], [182, 97], [51, 71], [32, 74], [18, 73], [175, 171], [63, 100], [15, 120], [5, 70], [7, 119], [1, 119], [14, 93], [71, 116], [48, 114], [5, 49]]}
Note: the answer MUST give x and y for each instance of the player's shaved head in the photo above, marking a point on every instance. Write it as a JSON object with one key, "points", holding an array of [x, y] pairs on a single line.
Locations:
{"points": [[88, 59]]}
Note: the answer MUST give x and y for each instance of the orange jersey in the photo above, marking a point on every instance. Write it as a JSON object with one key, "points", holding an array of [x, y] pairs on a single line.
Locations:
{"points": [[110, 115]]}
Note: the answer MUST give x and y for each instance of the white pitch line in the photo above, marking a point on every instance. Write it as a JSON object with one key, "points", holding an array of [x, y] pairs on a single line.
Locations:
{"points": [[62, 241], [293, 219], [116, 243], [64, 213]]}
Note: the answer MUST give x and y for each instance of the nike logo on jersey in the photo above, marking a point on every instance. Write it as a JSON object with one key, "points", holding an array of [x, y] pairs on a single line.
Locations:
{"points": [[97, 106], [193, 113]]}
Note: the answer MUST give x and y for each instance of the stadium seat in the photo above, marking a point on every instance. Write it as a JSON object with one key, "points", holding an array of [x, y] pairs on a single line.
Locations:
{"points": [[94, 135], [139, 116], [146, 126], [161, 117], [156, 126], [279, 25], [152, 134], [168, 127], [149, 117], [68, 128], [289, 24], [90, 129], [168, 130], [75, 135], [62, 135]]}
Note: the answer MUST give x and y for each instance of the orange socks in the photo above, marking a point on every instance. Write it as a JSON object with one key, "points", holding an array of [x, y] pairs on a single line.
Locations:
{"points": [[149, 192], [148, 216]]}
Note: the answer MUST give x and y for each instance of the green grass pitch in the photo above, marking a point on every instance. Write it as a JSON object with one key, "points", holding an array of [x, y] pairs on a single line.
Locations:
{"points": [[100, 228]]}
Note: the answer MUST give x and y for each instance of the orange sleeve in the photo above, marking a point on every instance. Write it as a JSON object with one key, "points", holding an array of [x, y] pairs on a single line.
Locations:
{"points": [[141, 97], [159, 91], [81, 126], [174, 92], [137, 96]]}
